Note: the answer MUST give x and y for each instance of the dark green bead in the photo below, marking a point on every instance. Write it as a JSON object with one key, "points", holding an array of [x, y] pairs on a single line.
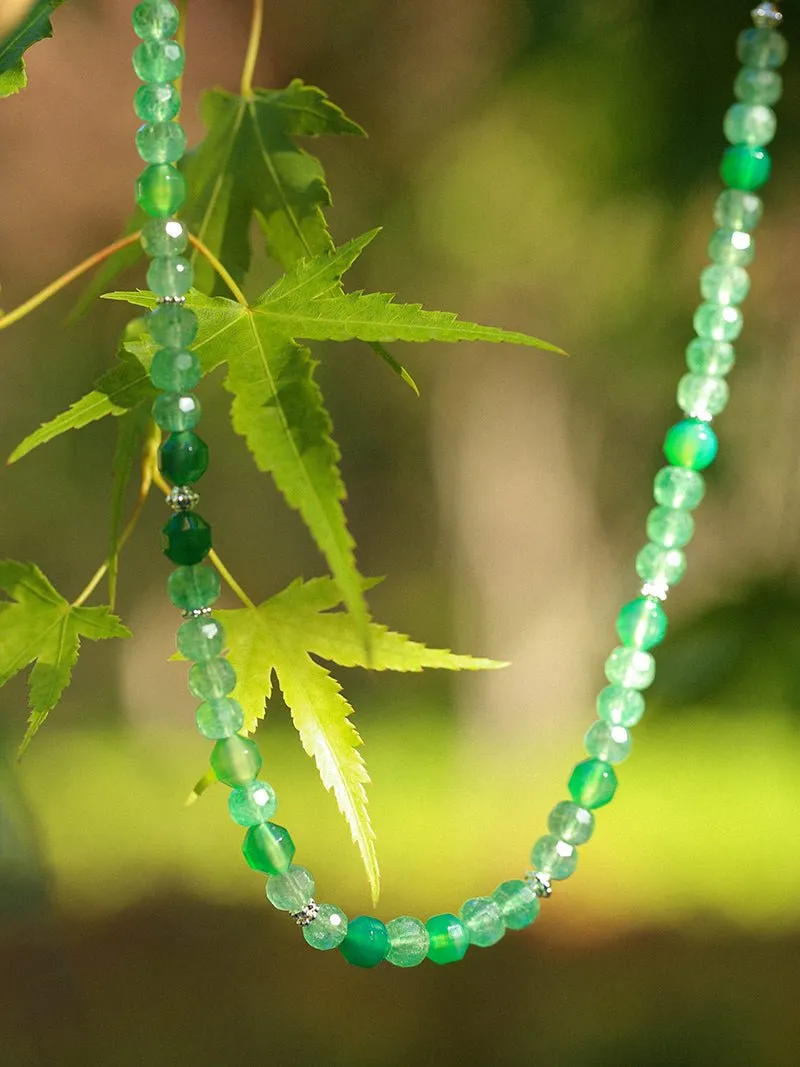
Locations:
{"points": [[156, 102], [235, 761], [593, 783], [158, 61], [200, 639], [641, 623], [186, 538], [449, 938], [172, 325], [190, 588], [183, 458], [367, 942], [155, 19], [212, 679], [745, 167], [268, 848], [691, 443], [177, 411], [160, 190], [175, 370]]}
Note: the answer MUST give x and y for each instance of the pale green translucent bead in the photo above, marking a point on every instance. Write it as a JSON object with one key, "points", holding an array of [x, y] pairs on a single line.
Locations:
{"points": [[661, 565], [519, 904], [328, 930], [555, 858], [570, 822], [670, 527], [754, 86], [219, 718], [722, 284], [620, 707], [710, 357], [679, 487], [252, 803], [631, 668], [735, 248], [752, 124], [164, 237], [717, 322], [171, 276], [763, 48], [408, 941], [483, 920], [161, 142], [738, 211], [702, 396], [292, 890], [612, 744]]}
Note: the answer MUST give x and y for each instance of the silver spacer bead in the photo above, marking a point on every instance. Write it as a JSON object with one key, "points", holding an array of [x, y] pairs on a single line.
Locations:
{"points": [[196, 613], [182, 498], [657, 589], [767, 16], [306, 914], [539, 883], [172, 300]]}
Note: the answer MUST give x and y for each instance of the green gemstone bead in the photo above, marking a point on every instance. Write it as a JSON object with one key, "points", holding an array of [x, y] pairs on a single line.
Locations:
{"points": [[629, 667], [754, 86], [220, 718], [449, 939], [164, 237], [745, 167], [679, 487], [158, 61], [156, 102], [670, 527], [328, 930], [619, 707], [190, 588], [175, 370], [735, 248], [661, 566], [641, 623], [408, 941], [177, 411], [186, 538], [701, 396], [762, 48], [571, 823], [367, 942], [235, 760], [484, 921], [183, 458], [518, 903], [170, 276], [555, 859], [155, 20], [593, 783], [750, 124], [252, 803], [738, 211], [268, 848], [715, 358], [160, 190], [161, 142], [691, 443], [291, 891], [201, 638], [612, 744], [724, 284], [718, 322], [212, 679], [172, 325]]}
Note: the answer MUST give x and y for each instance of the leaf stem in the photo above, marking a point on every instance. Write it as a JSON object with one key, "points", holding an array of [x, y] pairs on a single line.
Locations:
{"points": [[252, 48], [207, 254], [60, 283]]}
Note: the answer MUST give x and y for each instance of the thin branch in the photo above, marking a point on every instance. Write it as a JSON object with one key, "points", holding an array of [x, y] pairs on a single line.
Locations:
{"points": [[207, 254], [253, 45]]}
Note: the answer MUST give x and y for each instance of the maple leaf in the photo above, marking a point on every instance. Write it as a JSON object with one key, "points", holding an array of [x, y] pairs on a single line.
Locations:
{"points": [[39, 626], [34, 26]]}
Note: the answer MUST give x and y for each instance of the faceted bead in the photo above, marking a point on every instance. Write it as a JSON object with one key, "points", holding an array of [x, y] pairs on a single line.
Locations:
{"points": [[175, 370], [268, 848], [161, 142], [484, 921], [171, 276], [710, 357], [518, 904], [235, 760], [762, 48], [219, 718], [252, 803], [670, 527], [593, 783], [158, 102], [629, 667], [571, 823], [164, 237], [172, 325], [723, 284], [679, 487], [641, 623], [691, 443], [183, 458], [291, 891], [158, 61], [738, 211], [328, 930], [660, 566], [745, 167], [619, 707], [702, 396], [367, 942], [155, 19], [449, 938], [555, 859], [735, 248], [160, 190], [176, 411], [190, 588], [612, 744], [408, 941], [750, 124], [201, 638], [718, 322], [186, 538], [754, 86], [213, 679]]}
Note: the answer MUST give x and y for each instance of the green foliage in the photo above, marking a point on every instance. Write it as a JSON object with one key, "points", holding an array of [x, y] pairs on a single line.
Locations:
{"points": [[34, 27]]}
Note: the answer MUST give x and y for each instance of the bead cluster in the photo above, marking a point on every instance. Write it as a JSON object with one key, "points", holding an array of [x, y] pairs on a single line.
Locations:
{"points": [[690, 446]]}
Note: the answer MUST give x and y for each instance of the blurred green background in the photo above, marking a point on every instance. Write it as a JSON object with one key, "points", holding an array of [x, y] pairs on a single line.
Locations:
{"points": [[543, 166]]}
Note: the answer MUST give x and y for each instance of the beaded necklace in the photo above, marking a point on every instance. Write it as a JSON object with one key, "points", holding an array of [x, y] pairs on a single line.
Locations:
{"points": [[690, 447]]}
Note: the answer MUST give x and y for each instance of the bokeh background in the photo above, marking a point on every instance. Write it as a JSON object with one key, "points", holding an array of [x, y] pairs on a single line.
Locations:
{"points": [[545, 166]]}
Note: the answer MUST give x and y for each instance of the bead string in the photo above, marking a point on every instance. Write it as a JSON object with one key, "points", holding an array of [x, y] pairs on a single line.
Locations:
{"points": [[690, 446]]}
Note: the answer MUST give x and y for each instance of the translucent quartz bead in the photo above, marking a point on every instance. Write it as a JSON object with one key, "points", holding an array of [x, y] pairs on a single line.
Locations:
{"points": [[158, 61], [593, 783], [745, 167], [408, 941], [670, 527], [571, 823], [235, 760], [161, 142], [754, 86], [678, 487], [518, 904], [660, 566], [170, 276], [172, 325], [328, 930], [219, 718], [186, 539], [252, 803], [367, 942], [751, 124], [735, 248], [738, 211], [155, 19], [641, 623], [175, 370], [164, 237], [554, 858], [702, 396], [762, 48], [158, 102], [291, 891], [183, 458], [691, 443], [268, 848], [619, 707], [212, 679], [724, 284], [629, 667], [710, 357], [717, 322], [612, 744], [193, 587], [160, 190], [201, 638], [449, 939], [484, 921], [176, 411]]}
